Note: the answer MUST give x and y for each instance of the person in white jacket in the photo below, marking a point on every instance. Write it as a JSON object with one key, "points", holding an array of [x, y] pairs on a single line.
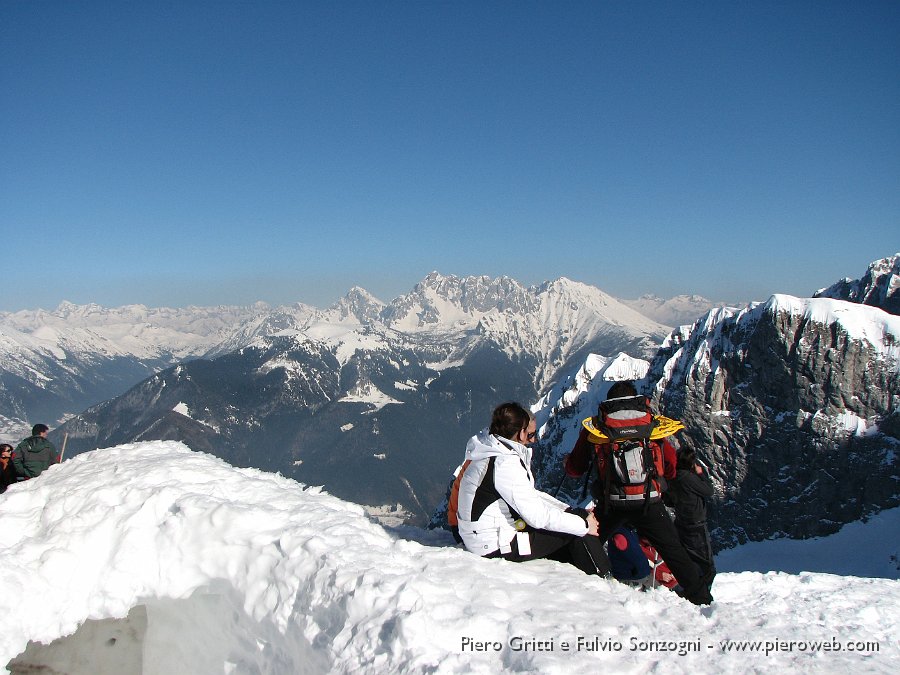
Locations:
{"points": [[499, 511]]}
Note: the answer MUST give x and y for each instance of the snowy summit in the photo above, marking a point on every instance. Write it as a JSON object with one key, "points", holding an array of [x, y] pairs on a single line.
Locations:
{"points": [[153, 558]]}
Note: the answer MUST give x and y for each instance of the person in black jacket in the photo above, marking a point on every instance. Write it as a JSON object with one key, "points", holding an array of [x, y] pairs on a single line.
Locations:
{"points": [[688, 494]]}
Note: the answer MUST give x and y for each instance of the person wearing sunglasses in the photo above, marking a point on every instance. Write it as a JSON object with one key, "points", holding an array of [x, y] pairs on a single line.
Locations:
{"points": [[7, 471], [501, 514]]}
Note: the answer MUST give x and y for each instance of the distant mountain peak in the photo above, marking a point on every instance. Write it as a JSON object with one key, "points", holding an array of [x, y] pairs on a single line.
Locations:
{"points": [[765, 388], [878, 287], [566, 285], [358, 304], [440, 301], [360, 292], [675, 311]]}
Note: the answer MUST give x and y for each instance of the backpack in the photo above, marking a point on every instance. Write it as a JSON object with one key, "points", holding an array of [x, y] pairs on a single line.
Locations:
{"points": [[633, 465], [453, 501]]}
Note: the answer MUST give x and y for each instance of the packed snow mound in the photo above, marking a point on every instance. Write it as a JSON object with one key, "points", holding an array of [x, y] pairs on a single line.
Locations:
{"points": [[200, 567]]}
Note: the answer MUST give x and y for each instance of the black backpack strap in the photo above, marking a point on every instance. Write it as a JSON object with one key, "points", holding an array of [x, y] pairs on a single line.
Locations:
{"points": [[651, 472], [486, 494], [607, 477], [587, 478]]}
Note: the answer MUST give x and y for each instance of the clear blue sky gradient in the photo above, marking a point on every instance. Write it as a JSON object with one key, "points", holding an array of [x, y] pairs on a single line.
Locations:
{"points": [[175, 153]]}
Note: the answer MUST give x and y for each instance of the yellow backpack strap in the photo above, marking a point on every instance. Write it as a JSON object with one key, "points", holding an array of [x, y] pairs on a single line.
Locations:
{"points": [[594, 434], [665, 426]]}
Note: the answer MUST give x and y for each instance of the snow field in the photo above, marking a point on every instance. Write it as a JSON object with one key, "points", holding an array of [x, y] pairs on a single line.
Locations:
{"points": [[206, 568]]}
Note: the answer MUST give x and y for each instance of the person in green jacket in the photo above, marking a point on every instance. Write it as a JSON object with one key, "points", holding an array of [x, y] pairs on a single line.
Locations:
{"points": [[35, 454]]}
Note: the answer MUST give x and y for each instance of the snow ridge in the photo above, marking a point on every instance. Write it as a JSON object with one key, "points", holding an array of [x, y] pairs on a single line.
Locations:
{"points": [[235, 570], [715, 332]]}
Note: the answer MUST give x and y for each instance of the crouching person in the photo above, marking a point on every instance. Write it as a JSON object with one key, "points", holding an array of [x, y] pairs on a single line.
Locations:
{"points": [[501, 514]]}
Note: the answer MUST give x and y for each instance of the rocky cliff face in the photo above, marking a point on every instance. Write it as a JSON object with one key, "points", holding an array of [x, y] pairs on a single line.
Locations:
{"points": [[796, 405], [878, 287], [439, 301], [376, 420]]}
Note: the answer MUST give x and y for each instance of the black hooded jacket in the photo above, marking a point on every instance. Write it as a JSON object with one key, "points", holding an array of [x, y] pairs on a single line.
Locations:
{"points": [[688, 494]]}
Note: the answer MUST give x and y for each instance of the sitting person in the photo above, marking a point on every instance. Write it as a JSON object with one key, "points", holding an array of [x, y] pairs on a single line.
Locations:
{"points": [[35, 454], [626, 558], [662, 575], [500, 513], [635, 562], [7, 471]]}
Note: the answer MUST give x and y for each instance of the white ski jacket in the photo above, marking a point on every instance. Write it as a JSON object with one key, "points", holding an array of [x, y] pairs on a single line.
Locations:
{"points": [[497, 489]]}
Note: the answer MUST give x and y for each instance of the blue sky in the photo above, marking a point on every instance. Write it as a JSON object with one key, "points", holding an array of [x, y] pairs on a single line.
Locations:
{"points": [[175, 153]]}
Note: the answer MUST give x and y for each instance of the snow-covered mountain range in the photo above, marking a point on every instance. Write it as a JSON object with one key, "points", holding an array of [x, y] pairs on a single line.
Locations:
{"points": [[682, 309], [375, 400], [395, 387], [54, 364]]}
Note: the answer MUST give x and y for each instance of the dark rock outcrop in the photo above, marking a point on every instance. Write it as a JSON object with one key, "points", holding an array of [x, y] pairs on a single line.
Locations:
{"points": [[878, 287], [795, 405]]}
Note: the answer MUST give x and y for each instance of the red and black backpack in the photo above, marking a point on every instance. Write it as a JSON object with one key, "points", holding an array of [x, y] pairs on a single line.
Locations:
{"points": [[631, 465]]}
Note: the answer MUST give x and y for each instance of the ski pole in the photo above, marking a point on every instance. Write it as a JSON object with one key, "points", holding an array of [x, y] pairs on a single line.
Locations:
{"points": [[587, 480], [559, 485], [63, 451], [593, 562]]}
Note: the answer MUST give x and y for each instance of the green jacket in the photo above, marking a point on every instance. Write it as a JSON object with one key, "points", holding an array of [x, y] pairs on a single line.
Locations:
{"points": [[33, 456]]}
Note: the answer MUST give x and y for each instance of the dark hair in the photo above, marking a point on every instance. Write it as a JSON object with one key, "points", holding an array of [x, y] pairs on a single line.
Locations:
{"points": [[686, 458], [38, 429], [509, 419], [5, 446], [622, 389]]}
